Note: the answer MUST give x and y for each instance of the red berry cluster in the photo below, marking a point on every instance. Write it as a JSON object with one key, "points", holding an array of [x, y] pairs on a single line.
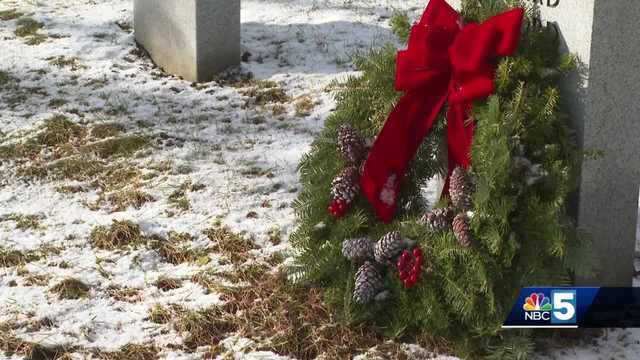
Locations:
{"points": [[338, 208], [410, 267]]}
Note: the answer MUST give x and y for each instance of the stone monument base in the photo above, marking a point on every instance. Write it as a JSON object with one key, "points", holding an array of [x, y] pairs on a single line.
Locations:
{"points": [[194, 39]]}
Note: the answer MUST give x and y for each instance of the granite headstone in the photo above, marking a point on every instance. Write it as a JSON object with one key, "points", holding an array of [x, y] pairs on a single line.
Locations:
{"points": [[603, 101], [194, 39]]}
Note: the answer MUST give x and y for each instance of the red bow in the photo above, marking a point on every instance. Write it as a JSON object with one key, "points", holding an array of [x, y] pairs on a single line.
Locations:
{"points": [[445, 59]]}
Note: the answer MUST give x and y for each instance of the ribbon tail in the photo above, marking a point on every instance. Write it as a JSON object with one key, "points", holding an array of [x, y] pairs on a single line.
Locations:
{"points": [[459, 139], [397, 144]]}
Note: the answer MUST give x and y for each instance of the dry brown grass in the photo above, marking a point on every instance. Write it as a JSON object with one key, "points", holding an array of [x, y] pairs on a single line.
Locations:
{"points": [[126, 294], [231, 245], [116, 146], [119, 235], [59, 130], [11, 345], [159, 314], [287, 320], [61, 61], [28, 27], [11, 14], [106, 130], [204, 327], [175, 249], [24, 222], [36, 279], [262, 92], [116, 176], [165, 283], [71, 289], [179, 197], [131, 352], [304, 105], [76, 157], [9, 258], [123, 199]]}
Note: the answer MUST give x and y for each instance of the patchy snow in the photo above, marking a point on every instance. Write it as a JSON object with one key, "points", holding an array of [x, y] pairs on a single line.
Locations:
{"points": [[244, 154]]}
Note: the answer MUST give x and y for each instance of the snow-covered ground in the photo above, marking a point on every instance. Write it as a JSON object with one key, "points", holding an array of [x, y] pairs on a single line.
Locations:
{"points": [[219, 154]]}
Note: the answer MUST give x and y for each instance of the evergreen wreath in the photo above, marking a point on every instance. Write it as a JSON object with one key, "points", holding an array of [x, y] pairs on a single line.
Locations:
{"points": [[453, 271]]}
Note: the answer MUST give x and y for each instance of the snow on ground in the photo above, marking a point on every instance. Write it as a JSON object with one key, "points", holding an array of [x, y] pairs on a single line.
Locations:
{"points": [[241, 151]]}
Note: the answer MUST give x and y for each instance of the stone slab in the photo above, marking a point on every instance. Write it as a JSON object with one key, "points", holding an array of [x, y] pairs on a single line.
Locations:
{"points": [[194, 39], [602, 99]]}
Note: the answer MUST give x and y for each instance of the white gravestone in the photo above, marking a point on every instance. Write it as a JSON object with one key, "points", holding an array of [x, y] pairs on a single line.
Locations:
{"points": [[194, 39], [603, 101]]}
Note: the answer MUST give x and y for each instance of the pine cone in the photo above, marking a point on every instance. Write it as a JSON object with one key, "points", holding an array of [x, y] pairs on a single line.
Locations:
{"points": [[345, 185], [351, 144], [461, 189], [357, 249], [368, 283], [439, 219], [389, 246], [462, 230]]}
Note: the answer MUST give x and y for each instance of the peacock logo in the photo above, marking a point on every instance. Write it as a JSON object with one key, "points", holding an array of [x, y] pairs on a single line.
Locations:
{"points": [[537, 302]]}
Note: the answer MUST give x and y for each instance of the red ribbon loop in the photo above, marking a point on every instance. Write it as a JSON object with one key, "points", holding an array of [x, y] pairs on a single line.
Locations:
{"points": [[445, 60]]}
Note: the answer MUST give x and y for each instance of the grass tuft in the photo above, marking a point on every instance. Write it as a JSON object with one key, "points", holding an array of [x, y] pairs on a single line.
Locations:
{"points": [[118, 235], [28, 27], [24, 149], [131, 352], [11, 14], [179, 198], [232, 245], [56, 103], [36, 39], [11, 345], [165, 283], [116, 176], [62, 61], [159, 314], [24, 222], [59, 130], [79, 168], [121, 200], [304, 106], [204, 327], [106, 130], [175, 250], [264, 92], [71, 289], [126, 294], [10, 258], [288, 320], [116, 147]]}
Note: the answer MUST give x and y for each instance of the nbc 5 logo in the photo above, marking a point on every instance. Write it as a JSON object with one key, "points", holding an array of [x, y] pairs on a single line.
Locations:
{"points": [[564, 307], [560, 309]]}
